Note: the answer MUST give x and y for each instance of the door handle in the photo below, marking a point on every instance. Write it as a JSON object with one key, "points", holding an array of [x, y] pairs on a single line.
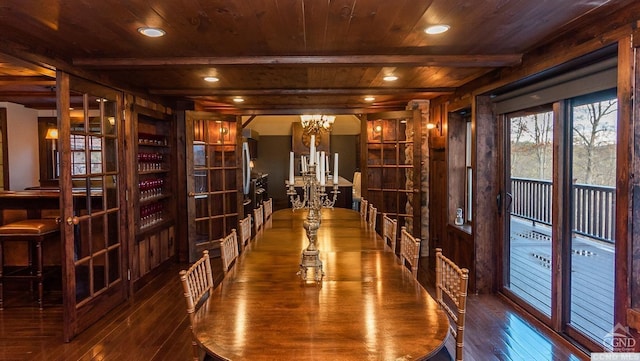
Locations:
{"points": [[72, 220], [191, 194]]}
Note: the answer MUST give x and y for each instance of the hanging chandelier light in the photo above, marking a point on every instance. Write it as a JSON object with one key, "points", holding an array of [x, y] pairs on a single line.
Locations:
{"points": [[316, 123]]}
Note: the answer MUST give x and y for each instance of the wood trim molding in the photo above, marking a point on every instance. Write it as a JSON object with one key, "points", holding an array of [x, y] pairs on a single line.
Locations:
{"points": [[633, 318]]}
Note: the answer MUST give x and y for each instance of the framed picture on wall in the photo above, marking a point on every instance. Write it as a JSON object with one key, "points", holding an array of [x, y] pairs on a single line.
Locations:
{"points": [[300, 140]]}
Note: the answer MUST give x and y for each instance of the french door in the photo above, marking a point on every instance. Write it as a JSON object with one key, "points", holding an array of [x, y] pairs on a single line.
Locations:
{"points": [[213, 179], [391, 171], [94, 256], [559, 214]]}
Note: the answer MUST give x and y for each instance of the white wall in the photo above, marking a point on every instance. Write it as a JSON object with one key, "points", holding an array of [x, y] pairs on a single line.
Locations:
{"points": [[22, 142]]}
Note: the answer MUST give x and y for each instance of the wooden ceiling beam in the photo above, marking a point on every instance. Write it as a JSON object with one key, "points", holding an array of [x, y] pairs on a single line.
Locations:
{"points": [[475, 61], [304, 110], [27, 80], [27, 94], [323, 91]]}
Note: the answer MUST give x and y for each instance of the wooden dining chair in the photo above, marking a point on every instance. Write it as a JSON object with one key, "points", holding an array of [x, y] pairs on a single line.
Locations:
{"points": [[245, 231], [364, 208], [389, 231], [268, 208], [229, 250], [258, 218], [409, 251], [197, 283], [451, 294], [373, 216]]}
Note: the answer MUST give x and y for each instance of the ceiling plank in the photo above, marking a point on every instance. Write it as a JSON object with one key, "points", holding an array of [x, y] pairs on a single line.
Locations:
{"points": [[461, 61]]}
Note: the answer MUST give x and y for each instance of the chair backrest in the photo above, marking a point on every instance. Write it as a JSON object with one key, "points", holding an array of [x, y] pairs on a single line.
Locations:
{"points": [[229, 250], [451, 294], [389, 231], [373, 216], [197, 283], [258, 218], [409, 250], [268, 208], [245, 231], [364, 208], [357, 193]]}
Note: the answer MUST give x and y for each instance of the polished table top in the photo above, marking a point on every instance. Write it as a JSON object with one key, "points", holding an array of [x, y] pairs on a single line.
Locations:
{"points": [[366, 308]]}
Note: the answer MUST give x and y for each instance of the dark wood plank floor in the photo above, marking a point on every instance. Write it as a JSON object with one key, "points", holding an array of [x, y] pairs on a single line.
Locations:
{"points": [[154, 326]]}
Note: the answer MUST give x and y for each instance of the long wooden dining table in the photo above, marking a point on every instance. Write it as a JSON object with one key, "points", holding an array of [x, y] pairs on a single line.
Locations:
{"points": [[367, 307]]}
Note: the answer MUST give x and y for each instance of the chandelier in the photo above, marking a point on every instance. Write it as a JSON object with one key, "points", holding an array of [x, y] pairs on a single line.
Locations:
{"points": [[316, 123]]}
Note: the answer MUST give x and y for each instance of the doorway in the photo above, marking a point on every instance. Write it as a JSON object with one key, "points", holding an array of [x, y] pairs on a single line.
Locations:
{"points": [[559, 217]]}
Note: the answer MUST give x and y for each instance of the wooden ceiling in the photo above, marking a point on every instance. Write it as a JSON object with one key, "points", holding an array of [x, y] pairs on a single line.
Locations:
{"points": [[281, 56]]}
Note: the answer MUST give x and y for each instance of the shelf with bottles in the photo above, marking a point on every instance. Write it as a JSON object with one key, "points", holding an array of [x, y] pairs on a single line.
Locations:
{"points": [[152, 189], [151, 162], [152, 140], [152, 213]]}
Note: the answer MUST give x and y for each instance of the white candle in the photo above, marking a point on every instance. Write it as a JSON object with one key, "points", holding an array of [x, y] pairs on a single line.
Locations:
{"points": [[318, 172], [326, 164], [291, 168], [335, 169], [303, 163], [312, 149], [322, 165]]}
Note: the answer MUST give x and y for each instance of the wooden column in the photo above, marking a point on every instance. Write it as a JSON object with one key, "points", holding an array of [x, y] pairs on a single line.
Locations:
{"points": [[485, 190], [627, 282]]}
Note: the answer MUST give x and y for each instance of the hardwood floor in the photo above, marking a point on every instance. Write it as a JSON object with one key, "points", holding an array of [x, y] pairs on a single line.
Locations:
{"points": [[154, 326]]}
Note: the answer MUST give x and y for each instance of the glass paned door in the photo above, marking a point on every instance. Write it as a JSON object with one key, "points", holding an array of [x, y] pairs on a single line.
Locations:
{"points": [[391, 177], [213, 180], [529, 202], [560, 215], [93, 256], [593, 171]]}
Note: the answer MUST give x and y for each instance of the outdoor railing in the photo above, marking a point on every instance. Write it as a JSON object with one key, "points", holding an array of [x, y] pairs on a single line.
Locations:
{"points": [[593, 211]]}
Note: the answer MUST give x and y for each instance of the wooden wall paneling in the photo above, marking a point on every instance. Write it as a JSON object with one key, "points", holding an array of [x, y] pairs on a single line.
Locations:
{"points": [[172, 242], [182, 246], [485, 190], [164, 244], [455, 150], [131, 167], [437, 198], [364, 182], [135, 262], [627, 257], [143, 254], [154, 250]]}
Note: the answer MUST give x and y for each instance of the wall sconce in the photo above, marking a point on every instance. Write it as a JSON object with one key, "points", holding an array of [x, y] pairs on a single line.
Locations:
{"points": [[431, 126], [377, 128]]}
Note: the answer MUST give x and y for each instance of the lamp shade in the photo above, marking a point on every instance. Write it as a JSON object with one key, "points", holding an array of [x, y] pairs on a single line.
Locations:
{"points": [[52, 133]]}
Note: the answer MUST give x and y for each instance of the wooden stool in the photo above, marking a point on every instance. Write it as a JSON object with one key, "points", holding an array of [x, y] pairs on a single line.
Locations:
{"points": [[34, 232]]}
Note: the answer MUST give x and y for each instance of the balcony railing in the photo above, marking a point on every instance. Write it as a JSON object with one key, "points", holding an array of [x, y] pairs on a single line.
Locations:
{"points": [[593, 206]]}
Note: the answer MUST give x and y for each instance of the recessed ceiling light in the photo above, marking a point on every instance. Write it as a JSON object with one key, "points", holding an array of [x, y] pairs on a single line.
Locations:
{"points": [[390, 78], [238, 99], [369, 99], [211, 79], [151, 32], [436, 29]]}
